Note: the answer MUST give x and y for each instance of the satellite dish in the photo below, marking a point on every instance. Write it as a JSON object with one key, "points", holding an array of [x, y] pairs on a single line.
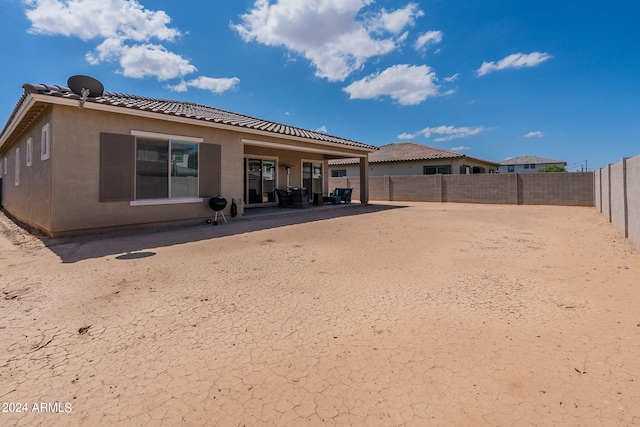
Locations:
{"points": [[77, 83], [86, 87]]}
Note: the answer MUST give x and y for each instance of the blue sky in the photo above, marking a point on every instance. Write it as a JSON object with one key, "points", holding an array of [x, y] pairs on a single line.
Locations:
{"points": [[490, 78]]}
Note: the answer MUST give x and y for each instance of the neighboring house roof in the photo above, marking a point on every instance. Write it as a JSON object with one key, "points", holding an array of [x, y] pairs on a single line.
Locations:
{"points": [[405, 152], [187, 110], [529, 160]]}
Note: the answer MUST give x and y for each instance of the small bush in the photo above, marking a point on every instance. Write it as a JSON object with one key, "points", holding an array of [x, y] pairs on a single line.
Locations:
{"points": [[553, 169]]}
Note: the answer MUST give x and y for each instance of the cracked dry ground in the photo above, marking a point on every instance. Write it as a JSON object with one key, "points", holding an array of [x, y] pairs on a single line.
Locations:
{"points": [[425, 314]]}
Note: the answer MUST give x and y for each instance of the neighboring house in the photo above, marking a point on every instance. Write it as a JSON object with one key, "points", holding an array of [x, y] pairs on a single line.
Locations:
{"points": [[127, 160], [410, 158], [528, 164]]}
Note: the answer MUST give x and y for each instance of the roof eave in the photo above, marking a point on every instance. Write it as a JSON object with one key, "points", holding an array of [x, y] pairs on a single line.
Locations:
{"points": [[35, 97], [16, 118]]}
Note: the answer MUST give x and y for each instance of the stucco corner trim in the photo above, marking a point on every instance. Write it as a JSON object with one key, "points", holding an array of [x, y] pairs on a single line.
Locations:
{"points": [[154, 202]]}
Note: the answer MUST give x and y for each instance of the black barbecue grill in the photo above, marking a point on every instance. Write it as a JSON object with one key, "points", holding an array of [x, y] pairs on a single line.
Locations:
{"points": [[217, 204]]}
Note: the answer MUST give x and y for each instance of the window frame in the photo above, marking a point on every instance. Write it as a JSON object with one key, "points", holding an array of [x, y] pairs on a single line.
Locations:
{"points": [[29, 152], [118, 169], [17, 171], [170, 140], [45, 142], [511, 168], [338, 173], [437, 169]]}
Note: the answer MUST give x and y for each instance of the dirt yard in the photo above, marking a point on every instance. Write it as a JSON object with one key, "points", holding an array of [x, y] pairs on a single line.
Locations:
{"points": [[417, 314]]}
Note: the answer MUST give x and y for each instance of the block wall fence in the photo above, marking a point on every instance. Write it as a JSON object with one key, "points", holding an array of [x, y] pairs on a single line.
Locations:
{"points": [[617, 196], [561, 188]]}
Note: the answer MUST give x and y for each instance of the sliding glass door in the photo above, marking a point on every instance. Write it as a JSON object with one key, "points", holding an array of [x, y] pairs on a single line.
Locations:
{"points": [[260, 181], [312, 177]]}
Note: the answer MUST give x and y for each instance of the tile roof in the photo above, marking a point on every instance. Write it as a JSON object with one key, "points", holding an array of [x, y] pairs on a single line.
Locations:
{"points": [[522, 160], [184, 109], [403, 152]]}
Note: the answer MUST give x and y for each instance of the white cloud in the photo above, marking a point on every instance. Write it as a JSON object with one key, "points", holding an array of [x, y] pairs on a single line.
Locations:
{"points": [[180, 87], [517, 60], [125, 29], [448, 133], [142, 60], [207, 83], [407, 84], [396, 21], [428, 38], [407, 135], [460, 148], [402, 37], [453, 78], [536, 134], [330, 33], [322, 129], [149, 60], [89, 19]]}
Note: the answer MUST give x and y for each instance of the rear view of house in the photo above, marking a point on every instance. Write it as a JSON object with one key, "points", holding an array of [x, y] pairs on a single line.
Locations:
{"points": [[72, 165]]}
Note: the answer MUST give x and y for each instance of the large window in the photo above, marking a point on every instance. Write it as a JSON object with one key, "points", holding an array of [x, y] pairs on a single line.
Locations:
{"points": [[510, 168], [146, 168], [338, 173], [433, 170], [166, 169]]}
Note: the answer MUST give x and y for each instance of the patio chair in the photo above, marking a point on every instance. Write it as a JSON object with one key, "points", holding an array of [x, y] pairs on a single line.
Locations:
{"points": [[300, 199], [284, 198], [342, 195]]}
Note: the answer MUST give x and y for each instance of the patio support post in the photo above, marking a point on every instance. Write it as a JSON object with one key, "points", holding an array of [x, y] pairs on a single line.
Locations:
{"points": [[364, 180], [325, 177]]}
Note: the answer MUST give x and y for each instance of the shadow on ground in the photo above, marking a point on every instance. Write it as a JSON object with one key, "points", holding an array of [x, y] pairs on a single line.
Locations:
{"points": [[135, 244]]}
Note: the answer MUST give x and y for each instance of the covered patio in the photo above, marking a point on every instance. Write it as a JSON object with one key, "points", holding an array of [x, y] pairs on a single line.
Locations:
{"points": [[271, 168]]}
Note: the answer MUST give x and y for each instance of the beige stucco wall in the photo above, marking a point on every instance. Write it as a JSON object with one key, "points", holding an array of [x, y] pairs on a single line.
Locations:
{"points": [[30, 201], [75, 196]]}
